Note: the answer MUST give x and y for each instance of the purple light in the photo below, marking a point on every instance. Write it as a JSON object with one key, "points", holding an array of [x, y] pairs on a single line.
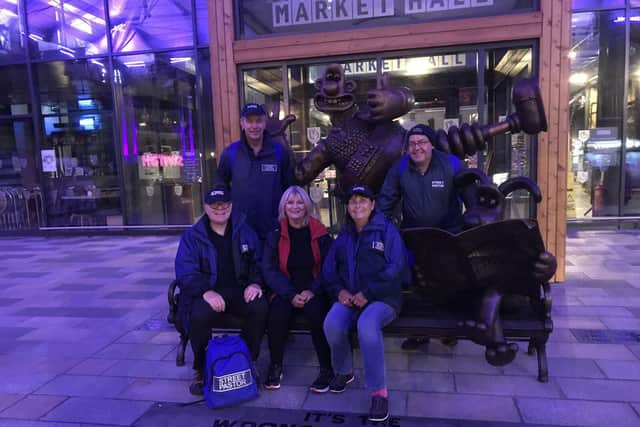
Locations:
{"points": [[123, 132], [134, 138], [183, 139], [191, 147]]}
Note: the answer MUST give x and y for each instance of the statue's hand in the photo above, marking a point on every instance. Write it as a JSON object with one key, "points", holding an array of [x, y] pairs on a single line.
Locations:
{"points": [[545, 266], [388, 102], [277, 127]]}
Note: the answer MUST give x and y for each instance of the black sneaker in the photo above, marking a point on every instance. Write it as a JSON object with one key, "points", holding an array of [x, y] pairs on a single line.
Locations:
{"points": [[413, 343], [274, 376], [379, 410], [197, 383], [339, 382], [321, 384]]}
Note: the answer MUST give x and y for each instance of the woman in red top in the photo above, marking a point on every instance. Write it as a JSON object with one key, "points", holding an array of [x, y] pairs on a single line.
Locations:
{"points": [[291, 263]]}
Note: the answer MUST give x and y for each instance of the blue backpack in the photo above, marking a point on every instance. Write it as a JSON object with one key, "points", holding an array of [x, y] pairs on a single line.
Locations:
{"points": [[229, 376]]}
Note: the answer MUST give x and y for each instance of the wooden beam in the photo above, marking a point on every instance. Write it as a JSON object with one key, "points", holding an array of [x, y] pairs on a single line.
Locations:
{"points": [[430, 34]]}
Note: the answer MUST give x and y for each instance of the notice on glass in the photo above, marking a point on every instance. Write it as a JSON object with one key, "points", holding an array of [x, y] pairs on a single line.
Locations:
{"points": [[48, 160]]}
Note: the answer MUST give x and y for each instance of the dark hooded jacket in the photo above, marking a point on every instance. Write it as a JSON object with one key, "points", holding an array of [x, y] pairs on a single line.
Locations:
{"points": [[196, 261], [256, 181], [373, 262]]}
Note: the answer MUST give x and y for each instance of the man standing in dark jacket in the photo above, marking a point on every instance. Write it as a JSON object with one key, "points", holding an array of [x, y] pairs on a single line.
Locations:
{"points": [[423, 182], [217, 270], [258, 169]]}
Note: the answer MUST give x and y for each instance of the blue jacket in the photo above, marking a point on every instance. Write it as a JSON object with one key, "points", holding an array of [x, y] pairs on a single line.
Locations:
{"points": [[256, 181], [196, 261], [428, 200], [373, 262]]}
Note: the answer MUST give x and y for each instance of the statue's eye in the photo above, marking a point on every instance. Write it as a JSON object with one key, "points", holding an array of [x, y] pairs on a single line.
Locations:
{"points": [[482, 199], [493, 202]]}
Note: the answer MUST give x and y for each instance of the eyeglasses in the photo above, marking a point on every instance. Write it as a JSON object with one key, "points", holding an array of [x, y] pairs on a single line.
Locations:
{"points": [[219, 206], [413, 144]]}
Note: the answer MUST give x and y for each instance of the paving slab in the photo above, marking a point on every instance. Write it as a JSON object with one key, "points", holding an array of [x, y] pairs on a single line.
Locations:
{"points": [[32, 407], [462, 406], [98, 410], [620, 369], [605, 390], [577, 412], [85, 385], [505, 386]]}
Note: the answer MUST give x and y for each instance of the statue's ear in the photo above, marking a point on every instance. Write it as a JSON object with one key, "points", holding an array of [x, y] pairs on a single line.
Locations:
{"points": [[318, 84], [350, 86]]}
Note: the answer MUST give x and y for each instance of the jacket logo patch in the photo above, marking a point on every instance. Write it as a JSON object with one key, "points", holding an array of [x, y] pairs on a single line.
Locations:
{"points": [[269, 167], [437, 184], [244, 248], [378, 246]]}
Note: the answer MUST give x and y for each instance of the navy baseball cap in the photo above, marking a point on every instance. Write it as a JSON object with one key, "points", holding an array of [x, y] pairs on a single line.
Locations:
{"points": [[252, 109], [423, 130], [217, 194], [361, 190]]}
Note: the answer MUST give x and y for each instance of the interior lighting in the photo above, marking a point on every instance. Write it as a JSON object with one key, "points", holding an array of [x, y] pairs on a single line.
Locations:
{"points": [[6, 13], [620, 19], [572, 54], [12, 1], [79, 12], [81, 25], [175, 60], [134, 64], [35, 37], [578, 78]]}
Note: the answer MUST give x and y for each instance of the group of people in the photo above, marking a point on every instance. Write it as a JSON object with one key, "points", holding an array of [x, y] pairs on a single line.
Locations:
{"points": [[260, 252]]}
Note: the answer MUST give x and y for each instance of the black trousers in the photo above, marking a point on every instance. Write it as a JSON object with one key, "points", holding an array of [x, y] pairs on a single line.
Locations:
{"points": [[203, 318], [280, 312]]}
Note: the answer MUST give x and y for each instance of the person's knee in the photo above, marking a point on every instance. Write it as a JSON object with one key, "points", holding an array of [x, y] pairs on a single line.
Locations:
{"points": [[368, 330], [258, 308]]}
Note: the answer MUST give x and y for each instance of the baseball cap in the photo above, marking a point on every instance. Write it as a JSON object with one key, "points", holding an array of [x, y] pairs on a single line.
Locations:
{"points": [[217, 194], [361, 190], [252, 109], [423, 130]]}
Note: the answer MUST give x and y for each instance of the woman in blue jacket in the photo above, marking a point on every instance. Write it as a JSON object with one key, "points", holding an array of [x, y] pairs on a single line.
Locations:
{"points": [[364, 271]]}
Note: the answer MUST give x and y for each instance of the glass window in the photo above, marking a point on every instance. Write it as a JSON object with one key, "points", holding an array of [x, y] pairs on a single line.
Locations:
{"points": [[631, 201], [66, 28], [595, 113], [145, 25], [206, 118], [202, 22], [260, 18], [14, 91], [508, 155], [81, 182], [158, 131], [578, 5], [20, 197], [11, 42]]}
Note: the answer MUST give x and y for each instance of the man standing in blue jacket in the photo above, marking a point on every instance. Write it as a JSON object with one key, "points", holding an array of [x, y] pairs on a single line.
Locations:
{"points": [[258, 169], [217, 270], [422, 181]]}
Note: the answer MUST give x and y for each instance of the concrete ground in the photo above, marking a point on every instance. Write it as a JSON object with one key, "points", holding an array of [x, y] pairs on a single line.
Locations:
{"points": [[84, 342]]}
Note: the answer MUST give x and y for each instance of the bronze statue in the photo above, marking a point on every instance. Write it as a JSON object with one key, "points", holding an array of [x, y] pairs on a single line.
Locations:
{"points": [[361, 144], [502, 266]]}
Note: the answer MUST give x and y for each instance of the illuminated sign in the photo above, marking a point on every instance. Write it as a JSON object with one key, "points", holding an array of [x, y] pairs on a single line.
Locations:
{"points": [[303, 12], [154, 160]]}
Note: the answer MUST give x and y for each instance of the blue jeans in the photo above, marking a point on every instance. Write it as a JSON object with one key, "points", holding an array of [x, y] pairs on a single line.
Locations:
{"points": [[369, 323]]}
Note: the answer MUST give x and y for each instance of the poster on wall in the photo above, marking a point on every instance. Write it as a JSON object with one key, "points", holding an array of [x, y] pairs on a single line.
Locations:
{"points": [[48, 160]]}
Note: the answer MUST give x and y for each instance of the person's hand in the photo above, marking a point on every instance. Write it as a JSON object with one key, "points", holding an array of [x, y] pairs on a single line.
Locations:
{"points": [[252, 292], [215, 301], [345, 298], [359, 300], [297, 301]]}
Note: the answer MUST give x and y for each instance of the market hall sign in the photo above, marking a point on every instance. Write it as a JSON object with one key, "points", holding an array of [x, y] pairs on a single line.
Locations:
{"points": [[303, 12]]}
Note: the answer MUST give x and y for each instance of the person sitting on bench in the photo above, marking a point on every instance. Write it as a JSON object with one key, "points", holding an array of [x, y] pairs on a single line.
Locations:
{"points": [[292, 260], [218, 273], [364, 271]]}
